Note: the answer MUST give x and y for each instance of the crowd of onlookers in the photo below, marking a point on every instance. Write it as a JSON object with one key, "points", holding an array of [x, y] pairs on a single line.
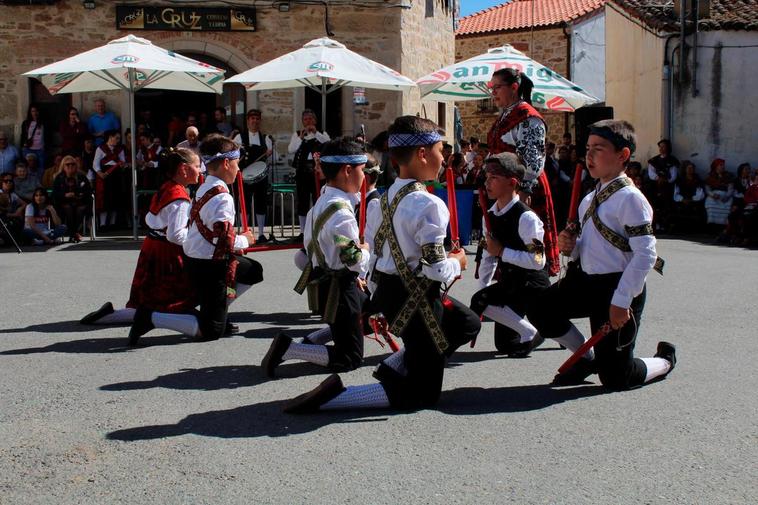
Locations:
{"points": [[43, 202], [52, 177], [723, 205]]}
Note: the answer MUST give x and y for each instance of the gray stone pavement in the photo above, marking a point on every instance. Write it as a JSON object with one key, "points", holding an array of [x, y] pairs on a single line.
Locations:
{"points": [[84, 420]]}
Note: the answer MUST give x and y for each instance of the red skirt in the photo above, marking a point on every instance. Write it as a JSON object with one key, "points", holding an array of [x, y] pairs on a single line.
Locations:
{"points": [[161, 282], [542, 205]]}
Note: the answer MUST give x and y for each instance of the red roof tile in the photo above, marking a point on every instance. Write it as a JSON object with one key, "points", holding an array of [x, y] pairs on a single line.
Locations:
{"points": [[520, 14]]}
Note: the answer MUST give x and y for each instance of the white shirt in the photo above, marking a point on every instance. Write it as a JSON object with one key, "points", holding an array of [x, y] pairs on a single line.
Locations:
{"points": [[530, 228], [295, 141], [341, 223], [254, 139], [100, 154], [217, 209], [626, 207], [421, 218], [652, 173], [174, 218]]}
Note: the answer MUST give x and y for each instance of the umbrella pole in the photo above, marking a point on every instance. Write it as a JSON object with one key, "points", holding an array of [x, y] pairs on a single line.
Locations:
{"points": [[133, 143], [323, 104]]}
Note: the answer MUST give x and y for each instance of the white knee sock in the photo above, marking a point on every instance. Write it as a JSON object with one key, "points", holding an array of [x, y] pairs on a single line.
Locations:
{"points": [[507, 317], [302, 223], [112, 218], [656, 367], [260, 220], [573, 340], [118, 316], [320, 336], [316, 354], [183, 323], [367, 396], [396, 361], [103, 218]]}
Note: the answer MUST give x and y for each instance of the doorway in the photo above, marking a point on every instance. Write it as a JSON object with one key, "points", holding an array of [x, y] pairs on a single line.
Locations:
{"points": [[333, 109], [164, 104]]}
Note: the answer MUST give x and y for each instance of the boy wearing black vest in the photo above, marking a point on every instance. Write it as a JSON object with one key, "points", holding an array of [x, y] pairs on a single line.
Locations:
{"points": [[406, 234], [336, 259], [515, 255], [611, 257], [218, 274]]}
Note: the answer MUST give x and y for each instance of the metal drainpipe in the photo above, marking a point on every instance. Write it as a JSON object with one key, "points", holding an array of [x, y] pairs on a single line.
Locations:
{"points": [[682, 44], [568, 71], [695, 15], [668, 79]]}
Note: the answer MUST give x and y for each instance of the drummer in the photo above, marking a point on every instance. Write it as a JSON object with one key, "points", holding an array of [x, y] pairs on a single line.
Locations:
{"points": [[258, 150]]}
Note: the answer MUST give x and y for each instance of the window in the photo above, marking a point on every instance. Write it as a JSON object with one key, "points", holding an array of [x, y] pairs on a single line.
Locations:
{"points": [[429, 8], [441, 114]]}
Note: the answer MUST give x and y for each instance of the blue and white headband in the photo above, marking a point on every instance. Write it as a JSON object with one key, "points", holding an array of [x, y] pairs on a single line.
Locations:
{"points": [[413, 139], [229, 155], [345, 159]]}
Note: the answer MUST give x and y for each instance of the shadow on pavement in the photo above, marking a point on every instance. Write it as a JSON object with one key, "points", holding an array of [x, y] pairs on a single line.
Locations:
{"points": [[100, 345], [476, 401], [279, 318], [56, 327], [203, 379], [267, 420]]}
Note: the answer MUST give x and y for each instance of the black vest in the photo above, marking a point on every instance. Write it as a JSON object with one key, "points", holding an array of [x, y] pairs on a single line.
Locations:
{"points": [[505, 231], [253, 152], [301, 161], [372, 195]]}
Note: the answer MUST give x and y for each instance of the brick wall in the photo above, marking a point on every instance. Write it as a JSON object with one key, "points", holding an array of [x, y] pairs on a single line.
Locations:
{"points": [[550, 48], [39, 35]]}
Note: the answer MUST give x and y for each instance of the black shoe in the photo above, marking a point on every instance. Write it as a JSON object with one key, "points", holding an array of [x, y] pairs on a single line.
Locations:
{"points": [[667, 351], [261, 239], [310, 402], [273, 357], [576, 375], [523, 350], [231, 329], [141, 325], [93, 317]]}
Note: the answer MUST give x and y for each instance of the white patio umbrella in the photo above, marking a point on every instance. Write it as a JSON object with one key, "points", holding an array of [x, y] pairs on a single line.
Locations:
{"points": [[316, 65], [467, 80], [130, 64]]}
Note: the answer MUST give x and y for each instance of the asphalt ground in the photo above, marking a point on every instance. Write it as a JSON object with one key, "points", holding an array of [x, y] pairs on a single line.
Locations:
{"points": [[85, 420]]}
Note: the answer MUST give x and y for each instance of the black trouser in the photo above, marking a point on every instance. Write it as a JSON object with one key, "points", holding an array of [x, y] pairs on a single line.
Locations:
{"points": [[517, 290], [73, 215], [209, 280], [422, 384], [346, 353], [305, 183], [581, 295], [258, 193]]}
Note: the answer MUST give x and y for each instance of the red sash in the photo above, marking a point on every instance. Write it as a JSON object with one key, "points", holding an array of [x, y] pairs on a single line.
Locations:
{"points": [[169, 192], [110, 155], [521, 112]]}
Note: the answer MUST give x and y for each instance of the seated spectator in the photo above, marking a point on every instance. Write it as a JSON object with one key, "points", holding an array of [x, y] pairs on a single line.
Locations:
{"points": [[749, 223], [72, 195], [41, 222], [743, 181], [34, 136], [53, 170], [88, 156], [24, 183], [688, 213], [719, 190], [8, 155], [73, 132], [15, 207], [11, 211], [31, 167]]}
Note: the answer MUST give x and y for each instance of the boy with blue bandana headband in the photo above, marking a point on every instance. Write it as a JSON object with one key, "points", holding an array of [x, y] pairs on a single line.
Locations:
{"points": [[336, 259], [405, 234]]}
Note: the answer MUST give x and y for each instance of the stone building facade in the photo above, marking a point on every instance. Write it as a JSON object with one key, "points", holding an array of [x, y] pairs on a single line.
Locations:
{"points": [[549, 46], [410, 36]]}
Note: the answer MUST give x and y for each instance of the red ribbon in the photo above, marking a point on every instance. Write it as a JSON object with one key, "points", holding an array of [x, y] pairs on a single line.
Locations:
{"points": [[453, 208], [362, 212], [592, 342], [243, 208], [576, 190]]}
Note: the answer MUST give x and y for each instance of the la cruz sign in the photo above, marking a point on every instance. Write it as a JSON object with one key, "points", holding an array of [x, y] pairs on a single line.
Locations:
{"points": [[223, 19]]}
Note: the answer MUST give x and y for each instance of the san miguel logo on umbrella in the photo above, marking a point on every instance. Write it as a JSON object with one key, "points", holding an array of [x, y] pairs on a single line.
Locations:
{"points": [[125, 58], [320, 66]]}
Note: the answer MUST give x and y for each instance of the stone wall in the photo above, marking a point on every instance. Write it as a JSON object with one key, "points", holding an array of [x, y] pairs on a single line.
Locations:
{"points": [[550, 48], [39, 35], [428, 44]]}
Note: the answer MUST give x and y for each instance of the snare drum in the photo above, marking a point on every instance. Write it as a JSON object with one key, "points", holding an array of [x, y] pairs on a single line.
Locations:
{"points": [[255, 172]]}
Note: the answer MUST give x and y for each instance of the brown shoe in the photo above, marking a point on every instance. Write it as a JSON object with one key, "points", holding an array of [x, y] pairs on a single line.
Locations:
{"points": [[311, 401], [273, 357]]}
